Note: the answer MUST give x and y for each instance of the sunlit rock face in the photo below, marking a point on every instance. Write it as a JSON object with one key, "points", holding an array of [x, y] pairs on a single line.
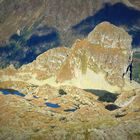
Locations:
{"points": [[135, 3], [47, 64], [109, 36], [73, 93], [105, 50], [97, 61]]}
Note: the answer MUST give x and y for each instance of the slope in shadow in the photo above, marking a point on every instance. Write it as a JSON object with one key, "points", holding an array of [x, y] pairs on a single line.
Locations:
{"points": [[103, 95], [22, 50], [117, 14], [111, 107]]}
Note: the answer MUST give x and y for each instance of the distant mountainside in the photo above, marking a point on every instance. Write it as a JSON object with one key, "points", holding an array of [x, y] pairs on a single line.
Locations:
{"points": [[18, 14], [32, 27]]}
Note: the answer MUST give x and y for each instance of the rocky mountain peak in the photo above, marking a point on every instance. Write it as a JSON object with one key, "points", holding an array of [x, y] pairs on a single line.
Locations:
{"points": [[105, 51], [53, 95], [109, 36], [96, 62]]}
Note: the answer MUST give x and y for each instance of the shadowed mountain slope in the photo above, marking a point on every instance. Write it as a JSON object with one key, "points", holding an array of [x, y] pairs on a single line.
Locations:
{"points": [[117, 14], [31, 28]]}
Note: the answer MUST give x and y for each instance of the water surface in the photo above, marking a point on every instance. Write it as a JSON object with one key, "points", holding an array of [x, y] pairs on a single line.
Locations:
{"points": [[52, 105], [70, 110], [11, 91]]}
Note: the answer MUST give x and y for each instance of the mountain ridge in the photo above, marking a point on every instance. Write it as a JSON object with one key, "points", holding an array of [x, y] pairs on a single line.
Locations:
{"points": [[42, 100], [106, 57]]}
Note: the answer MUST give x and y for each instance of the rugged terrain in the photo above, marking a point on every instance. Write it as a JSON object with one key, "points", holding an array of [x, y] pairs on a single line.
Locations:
{"points": [[73, 93], [33, 27], [60, 14]]}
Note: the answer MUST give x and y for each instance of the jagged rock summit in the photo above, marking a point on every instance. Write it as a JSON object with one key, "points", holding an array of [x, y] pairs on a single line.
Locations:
{"points": [[109, 36], [66, 93], [96, 62], [99, 60]]}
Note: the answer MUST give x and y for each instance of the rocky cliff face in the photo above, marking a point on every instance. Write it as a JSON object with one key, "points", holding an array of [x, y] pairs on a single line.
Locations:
{"points": [[76, 93], [103, 55], [106, 50], [47, 64]]}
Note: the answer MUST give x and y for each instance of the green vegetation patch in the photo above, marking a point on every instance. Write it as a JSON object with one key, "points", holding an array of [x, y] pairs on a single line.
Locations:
{"points": [[136, 67]]}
